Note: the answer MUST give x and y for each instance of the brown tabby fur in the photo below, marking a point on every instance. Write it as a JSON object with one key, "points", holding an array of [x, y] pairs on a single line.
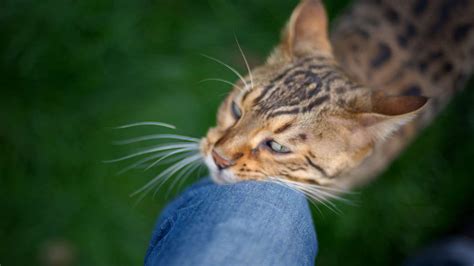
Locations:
{"points": [[343, 108]]}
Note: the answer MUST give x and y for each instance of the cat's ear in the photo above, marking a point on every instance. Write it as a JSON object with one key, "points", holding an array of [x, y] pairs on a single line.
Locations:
{"points": [[388, 114], [306, 32], [381, 117]]}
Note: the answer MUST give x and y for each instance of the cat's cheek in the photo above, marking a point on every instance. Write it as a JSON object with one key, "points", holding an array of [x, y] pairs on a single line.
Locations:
{"points": [[205, 147], [207, 142], [213, 134]]}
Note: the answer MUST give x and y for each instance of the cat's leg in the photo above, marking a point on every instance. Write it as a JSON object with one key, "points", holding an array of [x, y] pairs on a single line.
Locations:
{"points": [[248, 223]]}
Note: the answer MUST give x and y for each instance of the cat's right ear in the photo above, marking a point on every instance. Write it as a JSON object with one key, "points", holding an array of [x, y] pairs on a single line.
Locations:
{"points": [[379, 117], [306, 32]]}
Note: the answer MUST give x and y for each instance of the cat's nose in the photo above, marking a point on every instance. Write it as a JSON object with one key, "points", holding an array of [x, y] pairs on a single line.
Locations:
{"points": [[221, 161]]}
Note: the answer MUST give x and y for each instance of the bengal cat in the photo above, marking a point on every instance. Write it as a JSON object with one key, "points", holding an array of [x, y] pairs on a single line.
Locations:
{"points": [[335, 113], [327, 114]]}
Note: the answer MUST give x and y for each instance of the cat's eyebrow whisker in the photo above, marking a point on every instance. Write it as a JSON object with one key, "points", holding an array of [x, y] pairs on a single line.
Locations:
{"points": [[163, 176], [223, 81], [246, 62], [156, 136], [146, 123], [163, 147], [227, 66]]}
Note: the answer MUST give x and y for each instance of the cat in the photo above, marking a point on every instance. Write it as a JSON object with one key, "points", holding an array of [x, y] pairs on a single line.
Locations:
{"points": [[324, 115], [310, 117]]}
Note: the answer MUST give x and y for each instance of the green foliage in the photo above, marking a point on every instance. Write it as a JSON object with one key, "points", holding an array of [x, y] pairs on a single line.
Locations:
{"points": [[71, 70]]}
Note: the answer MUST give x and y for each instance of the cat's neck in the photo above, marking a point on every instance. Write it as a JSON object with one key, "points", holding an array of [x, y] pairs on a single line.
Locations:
{"points": [[414, 47]]}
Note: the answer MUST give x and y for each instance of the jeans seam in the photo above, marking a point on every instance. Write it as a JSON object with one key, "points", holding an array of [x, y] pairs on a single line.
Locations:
{"points": [[159, 243]]}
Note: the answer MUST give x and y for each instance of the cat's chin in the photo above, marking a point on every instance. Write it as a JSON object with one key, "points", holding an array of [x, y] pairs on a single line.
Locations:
{"points": [[219, 176], [223, 178]]}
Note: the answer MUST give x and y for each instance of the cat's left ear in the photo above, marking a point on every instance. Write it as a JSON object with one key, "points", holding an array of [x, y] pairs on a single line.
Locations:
{"points": [[306, 31]]}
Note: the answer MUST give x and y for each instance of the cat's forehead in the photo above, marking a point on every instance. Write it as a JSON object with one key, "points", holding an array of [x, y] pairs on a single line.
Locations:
{"points": [[302, 87]]}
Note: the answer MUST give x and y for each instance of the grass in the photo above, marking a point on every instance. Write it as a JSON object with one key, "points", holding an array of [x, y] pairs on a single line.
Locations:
{"points": [[71, 70]]}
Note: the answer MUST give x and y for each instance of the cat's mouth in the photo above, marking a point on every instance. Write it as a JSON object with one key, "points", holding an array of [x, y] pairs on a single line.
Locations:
{"points": [[220, 176], [224, 176]]}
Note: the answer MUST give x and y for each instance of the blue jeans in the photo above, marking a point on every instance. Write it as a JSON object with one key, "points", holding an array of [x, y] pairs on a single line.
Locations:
{"points": [[248, 223]]}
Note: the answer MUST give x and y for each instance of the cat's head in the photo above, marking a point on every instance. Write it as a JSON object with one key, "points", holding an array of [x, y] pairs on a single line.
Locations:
{"points": [[299, 117]]}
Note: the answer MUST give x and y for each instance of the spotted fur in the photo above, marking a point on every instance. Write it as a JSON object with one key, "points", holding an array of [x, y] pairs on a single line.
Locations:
{"points": [[343, 108]]}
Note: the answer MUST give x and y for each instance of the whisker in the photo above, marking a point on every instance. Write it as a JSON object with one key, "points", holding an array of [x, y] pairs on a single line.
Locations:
{"points": [[322, 194], [198, 171], [201, 169], [182, 175], [194, 166], [314, 196], [315, 204], [160, 179], [330, 192], [333, 196], [142, 161], [175, 172], [281, 183], [163, 176], [223, 81], [245, 60], [313, 193], [227, 66], [189, 146], [177, 157], [166, 156], [328, 204], [334, 189], [147, 123], [317, 190], [198, 159], [156, 136]]}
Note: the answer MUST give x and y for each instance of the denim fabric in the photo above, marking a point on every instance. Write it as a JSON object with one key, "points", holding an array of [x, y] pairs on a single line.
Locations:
{"points": [[248, 223]]}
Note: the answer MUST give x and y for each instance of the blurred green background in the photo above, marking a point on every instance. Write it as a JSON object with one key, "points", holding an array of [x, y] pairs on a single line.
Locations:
{"points": [[71, 70]]}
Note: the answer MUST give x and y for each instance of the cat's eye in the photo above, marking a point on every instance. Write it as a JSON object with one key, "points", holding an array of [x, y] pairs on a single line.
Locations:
{"points": [[236, 112], [277, 147]]}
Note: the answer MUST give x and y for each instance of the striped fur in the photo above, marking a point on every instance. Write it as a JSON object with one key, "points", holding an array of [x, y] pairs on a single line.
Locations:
{"points": [[343, 110]]}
